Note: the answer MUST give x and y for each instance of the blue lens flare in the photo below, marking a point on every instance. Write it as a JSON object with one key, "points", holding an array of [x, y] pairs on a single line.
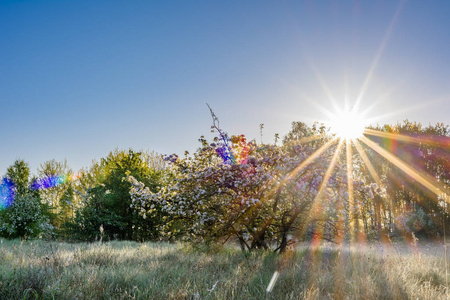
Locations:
{"points": [[7, 192], [52, 181]]}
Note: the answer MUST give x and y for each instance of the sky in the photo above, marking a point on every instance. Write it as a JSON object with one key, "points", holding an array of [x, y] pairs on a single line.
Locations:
{"points": [[81, 78]]}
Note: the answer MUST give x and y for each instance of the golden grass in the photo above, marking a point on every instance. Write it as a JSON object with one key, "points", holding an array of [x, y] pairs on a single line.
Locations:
{"points": [[129, 270]]}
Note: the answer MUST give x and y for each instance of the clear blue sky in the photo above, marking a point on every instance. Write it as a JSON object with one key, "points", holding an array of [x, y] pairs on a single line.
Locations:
{"points": [[80, 78]]}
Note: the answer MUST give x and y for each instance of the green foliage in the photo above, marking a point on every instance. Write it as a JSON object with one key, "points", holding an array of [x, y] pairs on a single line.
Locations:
{"points": [[108, 203], [60, 200], [19, 173]]}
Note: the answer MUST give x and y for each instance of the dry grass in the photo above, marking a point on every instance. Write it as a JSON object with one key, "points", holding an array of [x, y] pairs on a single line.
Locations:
{"points": [[128, 270]]}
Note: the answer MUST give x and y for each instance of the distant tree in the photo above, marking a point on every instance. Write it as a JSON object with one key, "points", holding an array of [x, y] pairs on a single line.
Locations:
{"points": [[50, 169], [19, 173], [298, 131], [424, 150], [59, 197]]}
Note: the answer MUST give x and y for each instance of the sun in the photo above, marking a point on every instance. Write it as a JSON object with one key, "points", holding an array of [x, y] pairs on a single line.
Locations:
{"points": [[348, 124]]}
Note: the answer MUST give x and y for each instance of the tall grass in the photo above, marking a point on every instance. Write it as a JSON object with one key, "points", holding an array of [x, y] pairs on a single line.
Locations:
{"points": [[129, 270]]}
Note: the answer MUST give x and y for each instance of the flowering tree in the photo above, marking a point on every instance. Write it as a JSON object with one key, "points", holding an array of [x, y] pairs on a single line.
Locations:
{"points": [[24, 219], [313, 186], [256, 194]]}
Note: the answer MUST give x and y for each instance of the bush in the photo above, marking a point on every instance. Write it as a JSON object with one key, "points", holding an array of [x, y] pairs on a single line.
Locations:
{"points": [[24, 219]]}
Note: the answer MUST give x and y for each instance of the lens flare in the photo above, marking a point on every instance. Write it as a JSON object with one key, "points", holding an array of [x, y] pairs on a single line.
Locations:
{"points": [[7, 192], [52, 181], [348, 124], [237, 153]]}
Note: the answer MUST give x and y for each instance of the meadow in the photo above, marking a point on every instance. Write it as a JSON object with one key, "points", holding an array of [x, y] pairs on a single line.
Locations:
{"points": [[129, 270]]}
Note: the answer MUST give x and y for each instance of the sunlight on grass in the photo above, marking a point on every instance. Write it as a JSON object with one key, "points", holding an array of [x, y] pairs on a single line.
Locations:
{"points": [[119, 270]]}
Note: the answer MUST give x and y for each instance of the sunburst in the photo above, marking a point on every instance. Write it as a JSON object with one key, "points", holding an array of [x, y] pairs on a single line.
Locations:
{"points": [[348, 124], [349, 128]]}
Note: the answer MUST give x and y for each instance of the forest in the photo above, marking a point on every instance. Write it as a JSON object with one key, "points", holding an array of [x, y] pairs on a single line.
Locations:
{"points": [[390, 184]]}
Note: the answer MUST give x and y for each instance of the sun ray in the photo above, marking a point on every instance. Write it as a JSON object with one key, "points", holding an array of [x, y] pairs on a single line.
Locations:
{"points": [[318, 200], [346, 91], [306, 139], [367, 162], [371, 169], [400, 111], [315, 206], [445, 143], [350, 188], [414, 174], [277, 187], [340, 203], [359, 233], [380, 99], [325, 87], [323, 110], [309, 160], [378, 55]]}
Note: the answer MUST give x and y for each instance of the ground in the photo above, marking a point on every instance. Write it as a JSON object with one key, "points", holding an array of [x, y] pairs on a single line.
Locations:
{"points": [[128, 270]]}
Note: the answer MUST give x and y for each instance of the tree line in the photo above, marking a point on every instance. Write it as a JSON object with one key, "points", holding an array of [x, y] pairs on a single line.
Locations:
{"points": [[311, 186]]}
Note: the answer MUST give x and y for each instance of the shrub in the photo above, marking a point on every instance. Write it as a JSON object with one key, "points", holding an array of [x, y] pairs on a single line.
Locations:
{"points": [[24, 219]]}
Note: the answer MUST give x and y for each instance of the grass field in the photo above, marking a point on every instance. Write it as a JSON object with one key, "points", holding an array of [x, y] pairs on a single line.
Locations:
{"points": [[129, 270]]}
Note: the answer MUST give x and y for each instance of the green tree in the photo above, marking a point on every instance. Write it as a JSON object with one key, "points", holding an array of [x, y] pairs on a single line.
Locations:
{"points": [[298, 131], [19, 173], [108, 202], [59, 198]]}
